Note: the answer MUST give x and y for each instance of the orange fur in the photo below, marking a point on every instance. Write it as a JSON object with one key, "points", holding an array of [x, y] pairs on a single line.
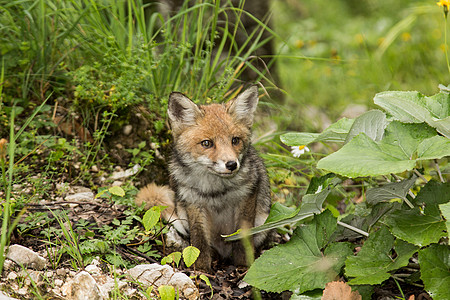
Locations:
{"points": [[154, 195]]}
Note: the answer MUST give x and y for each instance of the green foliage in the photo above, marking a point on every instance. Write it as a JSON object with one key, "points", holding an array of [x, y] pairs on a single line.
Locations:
{"points": [[435, 273], [173, 257], [151, 217], [375, 261], [375, 146], [413, 107], [281, 215], [399, 222], [166, 292], [190, 255], [308, 261], [422, 226], [117, 191]]}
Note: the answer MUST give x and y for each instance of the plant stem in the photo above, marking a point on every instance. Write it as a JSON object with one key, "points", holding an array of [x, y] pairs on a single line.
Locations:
{"points": [[438, 170], [7, 206], [420, 176], [353, 228], [445, 43]]}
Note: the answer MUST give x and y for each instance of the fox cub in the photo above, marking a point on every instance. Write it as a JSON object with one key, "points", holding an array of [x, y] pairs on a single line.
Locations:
{"points": [[218, 182]]}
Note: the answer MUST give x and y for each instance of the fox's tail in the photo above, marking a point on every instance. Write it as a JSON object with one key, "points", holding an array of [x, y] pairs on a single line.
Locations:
{"points": [[155, 195]]}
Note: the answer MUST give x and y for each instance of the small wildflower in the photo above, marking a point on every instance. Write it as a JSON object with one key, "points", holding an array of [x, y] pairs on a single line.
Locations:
{"points": [[445, 4], [3, 149], [406, 36], [299, 150]]}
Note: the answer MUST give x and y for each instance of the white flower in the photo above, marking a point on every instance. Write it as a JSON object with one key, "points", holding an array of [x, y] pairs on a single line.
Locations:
{"points": [[299, 150]]}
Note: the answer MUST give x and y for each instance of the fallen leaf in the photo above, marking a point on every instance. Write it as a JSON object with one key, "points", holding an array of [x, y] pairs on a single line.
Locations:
{"points": [[338, 290]]}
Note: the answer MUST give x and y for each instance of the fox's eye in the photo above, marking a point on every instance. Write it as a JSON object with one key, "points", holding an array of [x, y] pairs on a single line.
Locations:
{"points": [[235, 141], [206, 143]]}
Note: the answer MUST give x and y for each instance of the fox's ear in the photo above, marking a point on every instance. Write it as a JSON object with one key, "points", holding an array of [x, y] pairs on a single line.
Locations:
{"points": [[182, 111], [243, 106]]}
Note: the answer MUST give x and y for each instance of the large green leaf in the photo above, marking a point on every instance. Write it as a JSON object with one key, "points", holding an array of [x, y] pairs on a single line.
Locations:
{"points": [[422, 227], [372, 123], [435, 270], [299, 264], [433, 194], [389, 191], [336, 132], [374, 262], [415, 227], [399, 150], [413, 107]]}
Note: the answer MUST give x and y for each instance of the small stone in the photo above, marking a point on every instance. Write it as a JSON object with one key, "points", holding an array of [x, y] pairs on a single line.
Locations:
{"points": [[127, 129], [127, 173], [8, 265], [82, 287], [61, 272], [111, 284], [26, 257], [86, 196], [58, 282], [23, 291], [157, 275], [93, 269], [242, 284], [12, 276]]}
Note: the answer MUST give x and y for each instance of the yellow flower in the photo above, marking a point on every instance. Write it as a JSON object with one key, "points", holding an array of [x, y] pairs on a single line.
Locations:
{"points": [[445, 4]]}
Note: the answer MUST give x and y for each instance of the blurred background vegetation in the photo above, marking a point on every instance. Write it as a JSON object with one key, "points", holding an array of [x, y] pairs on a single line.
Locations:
{"points": [[336, 55]]}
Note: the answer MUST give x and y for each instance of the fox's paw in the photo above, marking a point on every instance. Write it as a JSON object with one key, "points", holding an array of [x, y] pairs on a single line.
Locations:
{"points": [[203, 263]]}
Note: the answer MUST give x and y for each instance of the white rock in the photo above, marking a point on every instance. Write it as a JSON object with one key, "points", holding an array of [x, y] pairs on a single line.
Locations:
{"points": [[22, 291], [26, 257], [157, 275], [126, 173], [8, 265], [31, 276], [183, 283], [86, 196], [242, 284], [82, 287], [127, 129], [4, 296], [12, 276], [93, 269], [111, 284], [58, 282], [62, 272]]}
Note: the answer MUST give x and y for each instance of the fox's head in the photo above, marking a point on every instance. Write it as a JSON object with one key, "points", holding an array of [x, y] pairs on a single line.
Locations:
{"points": [[214, 136]]}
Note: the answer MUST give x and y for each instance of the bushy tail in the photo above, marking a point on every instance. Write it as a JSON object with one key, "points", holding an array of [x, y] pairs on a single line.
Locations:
{"points": [[155, 195]]}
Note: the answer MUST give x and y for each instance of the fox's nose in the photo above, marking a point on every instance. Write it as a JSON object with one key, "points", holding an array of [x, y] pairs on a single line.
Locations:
{"points": [[231, 165]]}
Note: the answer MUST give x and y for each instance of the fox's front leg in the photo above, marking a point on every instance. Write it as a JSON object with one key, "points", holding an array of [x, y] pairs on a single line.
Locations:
{"points": [[247, 221], [200, 237]]}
